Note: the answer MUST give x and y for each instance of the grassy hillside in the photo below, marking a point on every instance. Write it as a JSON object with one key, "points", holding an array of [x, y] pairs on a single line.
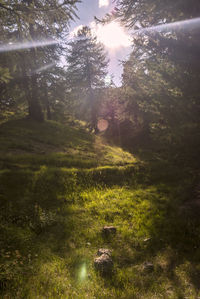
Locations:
{"points": [[59, 185], [28, 143]]}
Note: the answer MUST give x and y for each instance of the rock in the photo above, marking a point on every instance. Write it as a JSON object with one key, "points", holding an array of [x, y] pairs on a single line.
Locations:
{"points": [[148, 267], [104, 251], [103, 264], [108, 230]]}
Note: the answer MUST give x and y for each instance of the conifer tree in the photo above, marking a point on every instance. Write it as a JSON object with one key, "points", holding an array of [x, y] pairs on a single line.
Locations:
{"points": [[30, 21], [152, 12], [161, 76], [87, 68]]}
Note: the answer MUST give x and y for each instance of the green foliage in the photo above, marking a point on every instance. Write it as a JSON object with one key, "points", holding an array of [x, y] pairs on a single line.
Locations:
{"points": [[26, 22], [87, 64], [160, 79], [26, 143], [4, 75], [148, 13], [87, 68]]}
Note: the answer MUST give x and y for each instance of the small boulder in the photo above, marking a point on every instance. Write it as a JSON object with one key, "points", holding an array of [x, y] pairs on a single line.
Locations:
{"points": [[104, 251], [103, 264], [108, 230]]}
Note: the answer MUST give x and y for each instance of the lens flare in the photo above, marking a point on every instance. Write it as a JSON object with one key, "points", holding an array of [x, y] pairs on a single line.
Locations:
{"points": [[180, 25], [102, 125], [83, 272], [26, 45]]}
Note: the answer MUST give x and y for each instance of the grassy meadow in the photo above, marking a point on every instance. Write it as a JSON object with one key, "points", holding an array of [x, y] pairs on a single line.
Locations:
{"points": [[59, 185]]}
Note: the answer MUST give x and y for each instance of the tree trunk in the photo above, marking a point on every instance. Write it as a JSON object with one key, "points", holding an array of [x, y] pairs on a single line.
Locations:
{"points": [[91, 99], [25, 79], [94, 117], [35, 109], [146, 125], [47, 104], [29, 83]]}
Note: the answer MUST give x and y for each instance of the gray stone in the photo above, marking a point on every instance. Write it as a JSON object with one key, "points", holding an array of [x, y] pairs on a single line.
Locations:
{"points": [[104, 251], [103, 264]]}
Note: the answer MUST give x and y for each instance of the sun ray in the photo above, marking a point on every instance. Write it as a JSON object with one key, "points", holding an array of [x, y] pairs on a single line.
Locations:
{"points": [[44, 68], [26, 45], [180, 25]]}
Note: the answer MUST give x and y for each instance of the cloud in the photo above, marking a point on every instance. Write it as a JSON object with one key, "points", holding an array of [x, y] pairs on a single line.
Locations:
{"points": [[103, 3]]}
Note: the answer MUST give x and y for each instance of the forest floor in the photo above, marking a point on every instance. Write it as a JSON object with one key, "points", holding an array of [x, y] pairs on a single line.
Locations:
{"points": [[60, 185]]}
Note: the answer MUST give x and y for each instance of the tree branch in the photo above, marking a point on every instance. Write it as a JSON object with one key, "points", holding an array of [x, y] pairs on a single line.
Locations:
{"points": [[8, 8]]}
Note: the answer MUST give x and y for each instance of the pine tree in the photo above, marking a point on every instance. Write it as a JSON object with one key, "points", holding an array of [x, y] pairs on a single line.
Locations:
{"points": [[152, 12], [29, 21], [87, 68], [161, 76]]}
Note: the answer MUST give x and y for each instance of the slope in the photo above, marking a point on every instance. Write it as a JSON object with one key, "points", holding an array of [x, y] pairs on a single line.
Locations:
{"points": [[28, 143], [59, 186]]}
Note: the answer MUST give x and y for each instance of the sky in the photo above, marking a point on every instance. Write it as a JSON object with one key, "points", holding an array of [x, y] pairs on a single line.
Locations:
{"points": [[116, 40]]}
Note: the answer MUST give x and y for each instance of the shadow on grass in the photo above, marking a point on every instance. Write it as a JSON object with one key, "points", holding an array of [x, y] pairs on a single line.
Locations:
{"points": [[173, 244], [37, 223], [40, 224], [28, 136]]}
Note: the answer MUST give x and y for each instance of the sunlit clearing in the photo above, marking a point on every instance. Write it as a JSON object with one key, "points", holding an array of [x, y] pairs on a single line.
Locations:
{"points": [[45, 67], [83, 272], [102, 125], [180, 25], [26, 45], [112, 35], [103, 3]]}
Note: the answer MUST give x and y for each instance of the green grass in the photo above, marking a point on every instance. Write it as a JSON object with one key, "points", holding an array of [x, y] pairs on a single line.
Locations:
{"points": [[30, 144], [52, 213]]}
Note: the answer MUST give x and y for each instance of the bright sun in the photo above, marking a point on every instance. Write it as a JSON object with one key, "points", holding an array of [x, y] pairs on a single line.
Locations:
{"points": [[112, 35]]}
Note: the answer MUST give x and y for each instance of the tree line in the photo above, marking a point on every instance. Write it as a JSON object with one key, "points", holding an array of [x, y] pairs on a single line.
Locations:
{"points": [[161, 76], [159, 96]]}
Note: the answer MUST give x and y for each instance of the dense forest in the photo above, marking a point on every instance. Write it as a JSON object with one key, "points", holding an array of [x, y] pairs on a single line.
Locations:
{"points": [[79, 153]]}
